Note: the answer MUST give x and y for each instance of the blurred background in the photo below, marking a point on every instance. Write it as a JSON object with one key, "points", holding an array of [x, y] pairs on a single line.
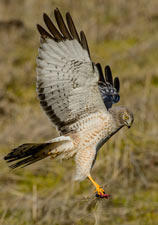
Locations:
{"points": [[122, 34]]}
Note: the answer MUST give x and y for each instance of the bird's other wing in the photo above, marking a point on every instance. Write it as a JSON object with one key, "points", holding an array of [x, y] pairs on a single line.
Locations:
{"points": [[67, 79], [108, 87]]}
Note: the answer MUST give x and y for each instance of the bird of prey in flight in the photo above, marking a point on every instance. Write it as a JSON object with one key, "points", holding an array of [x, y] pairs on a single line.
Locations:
{"points": [[77, 96]]}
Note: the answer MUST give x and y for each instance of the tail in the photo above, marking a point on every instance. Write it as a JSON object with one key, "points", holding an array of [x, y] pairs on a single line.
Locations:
{"points": [[27, 154]]}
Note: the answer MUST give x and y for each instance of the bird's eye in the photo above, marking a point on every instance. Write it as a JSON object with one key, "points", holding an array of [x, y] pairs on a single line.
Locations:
{"points": [[125, 117]]}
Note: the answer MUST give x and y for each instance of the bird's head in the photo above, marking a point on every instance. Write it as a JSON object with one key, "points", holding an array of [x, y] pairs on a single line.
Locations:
{"points": [[123, 116], [127, 118]]}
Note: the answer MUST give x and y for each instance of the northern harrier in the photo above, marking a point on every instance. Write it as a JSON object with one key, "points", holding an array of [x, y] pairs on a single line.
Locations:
{"points": [[77, 97]]}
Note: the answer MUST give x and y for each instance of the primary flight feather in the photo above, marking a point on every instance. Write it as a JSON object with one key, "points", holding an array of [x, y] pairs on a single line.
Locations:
{"points": [[77, 97]]}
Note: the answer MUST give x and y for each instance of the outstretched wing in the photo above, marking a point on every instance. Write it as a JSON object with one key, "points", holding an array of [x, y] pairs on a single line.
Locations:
{"points": [[67, 80], [109, 89]]}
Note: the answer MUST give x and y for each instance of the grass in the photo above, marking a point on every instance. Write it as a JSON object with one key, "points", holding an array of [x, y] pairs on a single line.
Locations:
{"points": [[123, 35]]}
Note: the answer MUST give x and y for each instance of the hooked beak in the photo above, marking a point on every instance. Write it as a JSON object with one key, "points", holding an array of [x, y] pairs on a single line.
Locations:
{"points": [[130, 124]]}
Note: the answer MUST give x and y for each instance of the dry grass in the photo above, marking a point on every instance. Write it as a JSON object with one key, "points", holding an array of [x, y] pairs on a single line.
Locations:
{"points": [[122, 34]]}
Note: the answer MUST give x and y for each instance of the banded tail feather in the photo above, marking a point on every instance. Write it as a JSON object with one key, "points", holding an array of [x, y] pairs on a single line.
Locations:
{"points": [[29, 153]]}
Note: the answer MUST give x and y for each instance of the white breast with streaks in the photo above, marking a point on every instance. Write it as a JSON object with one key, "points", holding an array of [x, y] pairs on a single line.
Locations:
{"points": [[94, 128]]}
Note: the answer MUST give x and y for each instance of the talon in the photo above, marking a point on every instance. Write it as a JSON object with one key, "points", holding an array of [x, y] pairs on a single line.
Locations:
{"points": [[100, 193]]}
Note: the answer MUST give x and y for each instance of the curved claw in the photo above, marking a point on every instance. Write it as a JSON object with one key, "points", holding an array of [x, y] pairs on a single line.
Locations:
{"points": [[100, 193]]}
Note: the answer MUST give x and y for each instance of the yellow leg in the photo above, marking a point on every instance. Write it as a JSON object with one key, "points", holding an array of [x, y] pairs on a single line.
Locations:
{"points": [[100, 191]]}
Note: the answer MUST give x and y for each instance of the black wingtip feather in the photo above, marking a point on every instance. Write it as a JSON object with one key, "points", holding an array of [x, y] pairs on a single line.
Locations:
{"points": [[84, 42], [44, 34], [61, 24], [108, 75], [51, 27], [117, 84], [72, 27], [101, 75], [65, 32], [109, 90]]}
